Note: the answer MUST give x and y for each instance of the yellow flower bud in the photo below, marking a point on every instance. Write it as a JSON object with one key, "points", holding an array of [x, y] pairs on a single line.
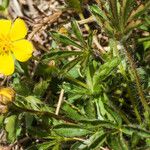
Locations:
{"points": [[6, 95]]}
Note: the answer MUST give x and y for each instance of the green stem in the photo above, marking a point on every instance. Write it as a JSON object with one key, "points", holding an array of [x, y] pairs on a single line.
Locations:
{"points": [[123, 72], [137, 80], [44, 113], [138, 116]]}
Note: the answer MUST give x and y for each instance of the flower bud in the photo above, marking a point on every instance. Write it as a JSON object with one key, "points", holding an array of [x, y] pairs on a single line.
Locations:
{"points": [[6, 95]]}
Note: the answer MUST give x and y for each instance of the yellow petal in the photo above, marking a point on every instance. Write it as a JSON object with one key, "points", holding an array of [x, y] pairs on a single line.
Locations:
{"points": [[22, 50], [18, 30], [5, 26], [6, 64]]}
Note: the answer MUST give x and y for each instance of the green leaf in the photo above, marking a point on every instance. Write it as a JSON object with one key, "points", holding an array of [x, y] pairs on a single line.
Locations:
{"points": [[4, 4], [89, 76], [116, 116], [60, 54], [90, 40], [40, 88], [101, 18], [72, 113], [114, 143], [97, 11], [96, 140], [146, 45], [114, 12], [123, 143], [90, 109], [129, 130], [22, 87], [76, 145], [134, 139], [99, 123], [45, 145], [67, 67], [105, 70], [11, 128], [126, 10], [56, 147], [140, 10], [64, 39], [69, 130], [77, 32]]}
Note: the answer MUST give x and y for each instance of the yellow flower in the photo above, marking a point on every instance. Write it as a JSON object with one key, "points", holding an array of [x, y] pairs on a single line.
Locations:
{"points": [[13, 45]]}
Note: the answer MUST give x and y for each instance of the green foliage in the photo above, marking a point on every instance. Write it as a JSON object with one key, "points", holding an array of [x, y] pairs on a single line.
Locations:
{"points": [[106, 95], [12, 127]]}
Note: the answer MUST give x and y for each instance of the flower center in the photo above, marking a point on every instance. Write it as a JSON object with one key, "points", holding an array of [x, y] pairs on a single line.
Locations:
{"points": [[5, 44]]}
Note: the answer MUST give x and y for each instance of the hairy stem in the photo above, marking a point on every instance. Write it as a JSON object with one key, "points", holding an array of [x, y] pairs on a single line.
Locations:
{"points": [[137, 80]]}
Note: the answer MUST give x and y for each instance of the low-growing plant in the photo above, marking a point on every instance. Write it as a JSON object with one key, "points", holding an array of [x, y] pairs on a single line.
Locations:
{"points": [[80, 96]]}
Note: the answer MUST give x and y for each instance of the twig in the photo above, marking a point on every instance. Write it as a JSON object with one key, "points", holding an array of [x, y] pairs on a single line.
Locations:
{"points": [[59, 101], [81, 22], [95, 41]]}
